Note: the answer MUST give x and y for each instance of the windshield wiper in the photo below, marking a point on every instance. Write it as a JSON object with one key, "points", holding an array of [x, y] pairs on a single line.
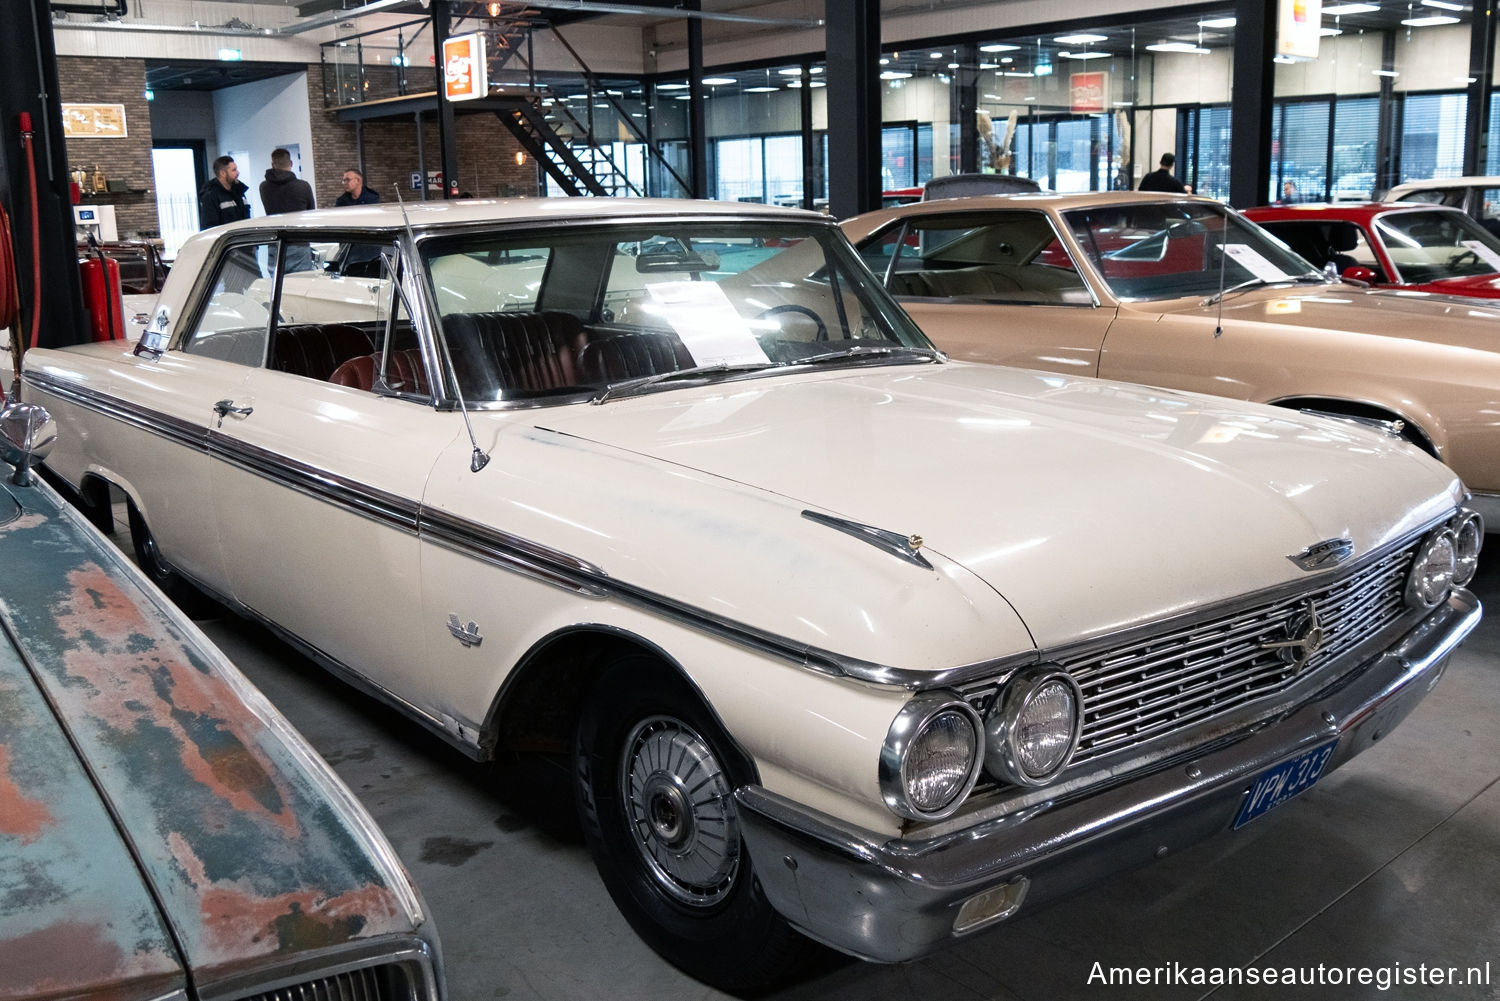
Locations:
{"points": [[1307, 278], [868, 351], [617, 389]]}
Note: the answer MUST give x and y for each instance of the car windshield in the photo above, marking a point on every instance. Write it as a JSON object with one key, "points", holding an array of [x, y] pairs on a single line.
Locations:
{"points": [[1167, 250], [1431, 246], [588, 312]]}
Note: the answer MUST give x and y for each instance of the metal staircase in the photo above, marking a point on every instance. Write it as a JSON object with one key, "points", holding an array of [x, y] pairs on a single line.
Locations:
{"points": [[574, 154]]}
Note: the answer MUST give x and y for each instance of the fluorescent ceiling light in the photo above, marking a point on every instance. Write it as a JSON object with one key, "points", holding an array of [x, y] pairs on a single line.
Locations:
{"points": [[1427, 22], [1083, 55], [934, 55], [818, 83], [1124, 104], [953, 66], [1328, 32], [997, 47], [884, 61], [761, 90], [895, 75], [791, 71], [1080, 39], [1177, 47], [719, 81], [671, 86], [1442, 5], [1012, 73], [1338, 10], [1390, 73], [990, 66], [1220, 22]]}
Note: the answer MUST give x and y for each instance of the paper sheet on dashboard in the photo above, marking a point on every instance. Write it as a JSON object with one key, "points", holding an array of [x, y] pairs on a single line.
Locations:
{"points": [[707, 322], [1250, 259]]}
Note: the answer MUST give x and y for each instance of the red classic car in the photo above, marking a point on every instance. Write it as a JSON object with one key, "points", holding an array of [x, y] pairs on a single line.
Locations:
{"points": [[1426, 248]]}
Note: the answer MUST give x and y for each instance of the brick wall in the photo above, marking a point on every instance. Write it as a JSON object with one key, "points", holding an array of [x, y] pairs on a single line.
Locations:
{"points": [[486, 152], [115, 81]]}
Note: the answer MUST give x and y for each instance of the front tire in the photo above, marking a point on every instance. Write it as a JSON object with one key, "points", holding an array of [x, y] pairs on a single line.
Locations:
{"points": [[656, 778]]}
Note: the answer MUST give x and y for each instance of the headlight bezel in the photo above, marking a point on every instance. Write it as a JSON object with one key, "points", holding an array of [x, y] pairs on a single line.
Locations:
{"points": [[1423, 590], [1002, 755], [1468, 543], [909, 726]]}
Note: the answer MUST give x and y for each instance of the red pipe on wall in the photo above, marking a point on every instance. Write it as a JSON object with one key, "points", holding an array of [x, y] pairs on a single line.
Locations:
{"points": [[36, 232]]}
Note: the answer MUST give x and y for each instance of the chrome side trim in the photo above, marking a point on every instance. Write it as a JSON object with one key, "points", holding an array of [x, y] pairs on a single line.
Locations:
{"points": [[180, 432], [903, 547]]}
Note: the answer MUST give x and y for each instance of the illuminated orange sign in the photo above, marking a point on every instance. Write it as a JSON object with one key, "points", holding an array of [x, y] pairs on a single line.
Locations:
{"points": [[465, 70], [1089, 92]]}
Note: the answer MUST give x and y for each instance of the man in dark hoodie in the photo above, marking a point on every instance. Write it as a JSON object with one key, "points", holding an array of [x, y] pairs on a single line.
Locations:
{"points": [[282, 190], [222, 199]]}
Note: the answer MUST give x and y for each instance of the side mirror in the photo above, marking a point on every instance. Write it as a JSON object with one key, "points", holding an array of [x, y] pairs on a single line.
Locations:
{"points": [[1359, 273], [27, 434], [154, 340]]}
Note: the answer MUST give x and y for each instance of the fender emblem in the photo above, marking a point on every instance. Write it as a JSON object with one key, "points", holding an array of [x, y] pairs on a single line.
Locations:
{"points": [[1325, 554], [467, 635]]}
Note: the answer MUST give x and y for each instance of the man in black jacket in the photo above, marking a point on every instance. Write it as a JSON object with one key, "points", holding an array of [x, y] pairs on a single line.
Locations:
{"points": [[355, 192], [282, 190], [1161, 179], [223, 198]]}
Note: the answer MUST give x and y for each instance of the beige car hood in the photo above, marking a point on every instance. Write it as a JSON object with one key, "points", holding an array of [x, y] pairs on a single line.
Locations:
{"points": [[1080, 501], [1421, 316]]}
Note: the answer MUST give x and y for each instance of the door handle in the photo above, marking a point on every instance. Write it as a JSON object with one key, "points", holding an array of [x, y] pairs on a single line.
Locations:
{"points": [[226, 407]]}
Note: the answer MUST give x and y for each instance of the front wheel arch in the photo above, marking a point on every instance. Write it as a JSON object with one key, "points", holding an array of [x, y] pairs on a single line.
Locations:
{"points": [[1411, 431]]}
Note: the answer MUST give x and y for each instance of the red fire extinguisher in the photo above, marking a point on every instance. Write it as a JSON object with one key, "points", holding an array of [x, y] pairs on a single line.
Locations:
{"points": [[101, 293]]}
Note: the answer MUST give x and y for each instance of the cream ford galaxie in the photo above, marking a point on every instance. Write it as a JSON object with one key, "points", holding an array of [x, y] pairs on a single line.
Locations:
{"points": [[1133, 286], [848, 641]]}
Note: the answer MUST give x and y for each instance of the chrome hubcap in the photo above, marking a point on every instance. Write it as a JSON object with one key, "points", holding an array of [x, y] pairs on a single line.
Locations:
{"points": [[679, 804]]}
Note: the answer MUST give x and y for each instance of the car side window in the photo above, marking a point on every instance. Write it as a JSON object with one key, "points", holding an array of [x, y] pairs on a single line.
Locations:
{"points": [[1003, 257], [233, 323]]}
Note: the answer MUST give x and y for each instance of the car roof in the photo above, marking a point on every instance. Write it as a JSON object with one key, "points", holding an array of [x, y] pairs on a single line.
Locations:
{"points": [[860, 226], [1472, 181], [470, 211], [1360, 212]]}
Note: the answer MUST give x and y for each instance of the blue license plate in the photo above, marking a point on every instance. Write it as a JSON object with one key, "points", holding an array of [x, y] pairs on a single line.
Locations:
{"points": [[1277, 785]]}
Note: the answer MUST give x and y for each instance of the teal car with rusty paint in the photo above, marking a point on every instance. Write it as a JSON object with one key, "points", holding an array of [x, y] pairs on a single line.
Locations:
{"points": [[165, 835]]}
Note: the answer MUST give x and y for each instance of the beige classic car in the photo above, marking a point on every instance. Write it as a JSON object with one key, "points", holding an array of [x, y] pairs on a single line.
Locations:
{"points": [[1184, 292], [847, 641]]}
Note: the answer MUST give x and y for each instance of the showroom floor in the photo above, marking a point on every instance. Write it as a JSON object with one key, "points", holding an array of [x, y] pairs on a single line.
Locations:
{"points": [[1387, 864]]}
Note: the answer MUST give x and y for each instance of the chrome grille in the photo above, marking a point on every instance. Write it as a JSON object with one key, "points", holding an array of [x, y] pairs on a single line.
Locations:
{"points": [[1160, 684], [391, 982]]}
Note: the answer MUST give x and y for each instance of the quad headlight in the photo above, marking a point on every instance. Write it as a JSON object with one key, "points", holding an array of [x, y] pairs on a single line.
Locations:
{"points": [[1033, 730], [1433, 570], [931, 756], [1468, 540]]}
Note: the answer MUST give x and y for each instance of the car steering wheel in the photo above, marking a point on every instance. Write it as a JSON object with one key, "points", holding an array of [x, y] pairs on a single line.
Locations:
{"points": [[792, 307]]}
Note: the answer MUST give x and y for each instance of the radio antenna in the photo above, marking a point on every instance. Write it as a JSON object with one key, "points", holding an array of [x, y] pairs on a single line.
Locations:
{"points": [[1223, 257], [477, 458]]}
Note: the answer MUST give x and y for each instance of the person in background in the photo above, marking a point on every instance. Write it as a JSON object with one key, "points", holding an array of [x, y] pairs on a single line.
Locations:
{"points": [[222, 198], [1161, 179], [355, 192], [1289, 194], [282, 190]]}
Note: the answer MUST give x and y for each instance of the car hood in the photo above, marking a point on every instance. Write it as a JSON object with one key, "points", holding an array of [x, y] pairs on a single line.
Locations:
{"points": [[1474, 286], [217, 811], [1398, 313], [1078, 500]]}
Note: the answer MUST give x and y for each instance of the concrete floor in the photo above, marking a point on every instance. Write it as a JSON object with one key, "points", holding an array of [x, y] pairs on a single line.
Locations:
{"points": [[1394, 859]]}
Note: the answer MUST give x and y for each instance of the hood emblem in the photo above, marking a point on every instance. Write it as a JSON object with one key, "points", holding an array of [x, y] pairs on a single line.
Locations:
{"points": [[467, 635], [903, 547], [1306, 637], [1325, 554]]}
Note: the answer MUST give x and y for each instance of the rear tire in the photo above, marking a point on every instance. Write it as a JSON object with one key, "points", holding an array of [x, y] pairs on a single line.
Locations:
{"points": [[148, 556], [656, 777]]}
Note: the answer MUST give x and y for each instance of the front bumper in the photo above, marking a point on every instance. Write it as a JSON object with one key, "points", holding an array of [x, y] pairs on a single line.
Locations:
{"points": [[896, 900]]}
